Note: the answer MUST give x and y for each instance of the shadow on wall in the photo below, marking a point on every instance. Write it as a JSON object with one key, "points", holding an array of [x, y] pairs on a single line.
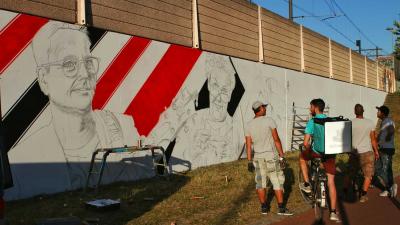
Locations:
{"points": [[50, 178]]}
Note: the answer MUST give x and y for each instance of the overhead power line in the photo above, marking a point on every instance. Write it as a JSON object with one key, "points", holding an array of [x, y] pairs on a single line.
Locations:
{"points": [[331, 7], [354, 25], [324, 21]]}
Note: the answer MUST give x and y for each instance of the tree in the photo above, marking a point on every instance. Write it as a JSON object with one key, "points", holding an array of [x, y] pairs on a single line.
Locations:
{"points": [[396, 32]]}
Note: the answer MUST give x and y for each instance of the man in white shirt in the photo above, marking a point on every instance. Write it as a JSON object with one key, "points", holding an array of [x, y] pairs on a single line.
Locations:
{"points": [[268, 153], [365, 149]]}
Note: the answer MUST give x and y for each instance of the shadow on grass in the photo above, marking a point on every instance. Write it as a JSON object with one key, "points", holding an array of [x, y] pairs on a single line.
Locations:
{"points": [[250, 190], [232, 212], [137, 198], [290, 180]]}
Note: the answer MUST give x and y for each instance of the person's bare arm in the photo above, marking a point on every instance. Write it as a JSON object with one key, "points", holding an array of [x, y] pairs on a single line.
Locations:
{"points": [[374, 144], [307, 140], [248, 147], [277, 141]]}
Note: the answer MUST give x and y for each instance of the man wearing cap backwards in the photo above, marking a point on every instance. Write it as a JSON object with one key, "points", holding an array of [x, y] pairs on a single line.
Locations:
{"points": [[268, 156], [383, 166], [365, 150]]}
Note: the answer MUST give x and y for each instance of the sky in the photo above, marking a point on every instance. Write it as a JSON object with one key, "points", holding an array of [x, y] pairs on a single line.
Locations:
{"points": [[371, 17]]}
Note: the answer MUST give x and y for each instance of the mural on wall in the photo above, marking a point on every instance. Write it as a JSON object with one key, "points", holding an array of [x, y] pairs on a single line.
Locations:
{"points": [[200, 122], [67, 91]]}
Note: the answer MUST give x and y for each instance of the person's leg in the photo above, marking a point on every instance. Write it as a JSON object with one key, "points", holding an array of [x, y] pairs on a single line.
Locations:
{"points": [[261, 192], [367, 165], [261, 183], [353, 166], [279, 196], [329, 163], [390, 170], [332, 190], [378, 175], [391, 183], [384, 175], [278, 179], [304, 157]]}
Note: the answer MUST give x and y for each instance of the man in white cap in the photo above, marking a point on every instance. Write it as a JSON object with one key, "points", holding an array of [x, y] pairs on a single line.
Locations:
{"points": [[268, 160]]}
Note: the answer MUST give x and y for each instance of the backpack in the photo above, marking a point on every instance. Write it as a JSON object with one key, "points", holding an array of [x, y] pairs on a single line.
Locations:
{"points": [[332, 135]]}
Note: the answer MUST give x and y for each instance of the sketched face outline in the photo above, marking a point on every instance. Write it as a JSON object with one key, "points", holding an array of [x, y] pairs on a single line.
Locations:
{"points": [[69, 93], [220, 86]]}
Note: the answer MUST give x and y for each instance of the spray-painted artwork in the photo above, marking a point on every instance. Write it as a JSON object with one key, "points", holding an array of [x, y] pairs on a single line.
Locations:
{"points": [[67, 90]]}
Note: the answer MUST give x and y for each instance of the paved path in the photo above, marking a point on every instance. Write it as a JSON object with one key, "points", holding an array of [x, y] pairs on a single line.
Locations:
{"points": [[377, 210]]}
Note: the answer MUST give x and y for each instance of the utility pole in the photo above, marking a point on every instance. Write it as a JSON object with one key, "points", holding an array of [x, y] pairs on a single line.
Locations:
{"points": [[377, 52], [376, 49], [291, 10], [358, 44]]}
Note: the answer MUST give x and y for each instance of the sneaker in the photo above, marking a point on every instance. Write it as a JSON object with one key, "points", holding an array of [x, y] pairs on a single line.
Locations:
{"points": [[264, 209], [305, 187], [384, 194], [284, 212], [363, 198], [393, 191], [334, 217]]}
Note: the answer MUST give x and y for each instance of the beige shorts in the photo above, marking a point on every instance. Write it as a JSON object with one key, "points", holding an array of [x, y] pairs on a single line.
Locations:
{"points": [[365, 161], [268, 171]]}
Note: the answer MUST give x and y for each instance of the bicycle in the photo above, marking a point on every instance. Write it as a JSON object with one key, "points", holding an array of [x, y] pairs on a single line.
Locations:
{"points": [[318, 181]]}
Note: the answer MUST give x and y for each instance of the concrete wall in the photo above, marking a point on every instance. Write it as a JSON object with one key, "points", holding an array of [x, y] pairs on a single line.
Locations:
{"points": [[63, 97]]}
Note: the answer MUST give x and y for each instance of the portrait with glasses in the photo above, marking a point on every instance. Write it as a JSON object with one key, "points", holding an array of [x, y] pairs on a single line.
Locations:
{"points": [[56, 156]]}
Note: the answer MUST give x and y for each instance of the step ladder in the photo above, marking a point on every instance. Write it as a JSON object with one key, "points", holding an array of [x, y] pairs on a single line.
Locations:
{"points": [[299, 121], [107, 151]]}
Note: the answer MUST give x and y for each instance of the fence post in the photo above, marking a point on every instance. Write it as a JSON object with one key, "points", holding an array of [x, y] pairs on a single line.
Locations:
{"points": [[81, 12], [377, 75], [351, 67], [330, 59], [195, 20], [260, 38], [366, 71], [302, 50]]}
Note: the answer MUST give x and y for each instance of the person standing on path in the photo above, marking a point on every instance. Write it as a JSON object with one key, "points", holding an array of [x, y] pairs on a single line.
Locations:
{"points": [[383, 166], [268, 160], [365, 150]]}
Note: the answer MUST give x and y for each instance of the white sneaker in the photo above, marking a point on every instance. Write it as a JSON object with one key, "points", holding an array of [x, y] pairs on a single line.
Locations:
{"points": [[334, 217], [393, 191], [305, 187], [384, 194]]}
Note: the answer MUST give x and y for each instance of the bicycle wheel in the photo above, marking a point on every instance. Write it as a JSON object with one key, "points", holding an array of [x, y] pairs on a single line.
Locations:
{"points": [[318, 199]]}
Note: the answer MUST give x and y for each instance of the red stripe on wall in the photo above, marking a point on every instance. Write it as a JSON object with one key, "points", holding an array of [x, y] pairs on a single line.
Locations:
{"points": [[161, 87], [118, 69], [16, 36]]}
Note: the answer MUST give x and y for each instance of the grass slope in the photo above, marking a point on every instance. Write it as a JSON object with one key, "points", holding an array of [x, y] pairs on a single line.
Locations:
{"points": [[220, 194]]}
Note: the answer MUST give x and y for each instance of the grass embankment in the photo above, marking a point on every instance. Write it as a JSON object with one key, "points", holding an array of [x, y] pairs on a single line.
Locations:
{"points": [[217, 195], [220, 194]]}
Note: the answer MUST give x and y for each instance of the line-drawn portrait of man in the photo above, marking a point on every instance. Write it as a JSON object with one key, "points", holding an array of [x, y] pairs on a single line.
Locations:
{"points": [[67, 74], [203, 135]]}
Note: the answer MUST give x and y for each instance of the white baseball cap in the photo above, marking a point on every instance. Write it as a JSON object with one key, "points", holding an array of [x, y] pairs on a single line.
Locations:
{"points": [[257, 104]]}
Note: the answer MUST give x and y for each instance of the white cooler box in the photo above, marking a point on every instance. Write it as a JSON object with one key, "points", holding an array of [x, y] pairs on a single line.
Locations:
{"points": [[338, 137]]}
